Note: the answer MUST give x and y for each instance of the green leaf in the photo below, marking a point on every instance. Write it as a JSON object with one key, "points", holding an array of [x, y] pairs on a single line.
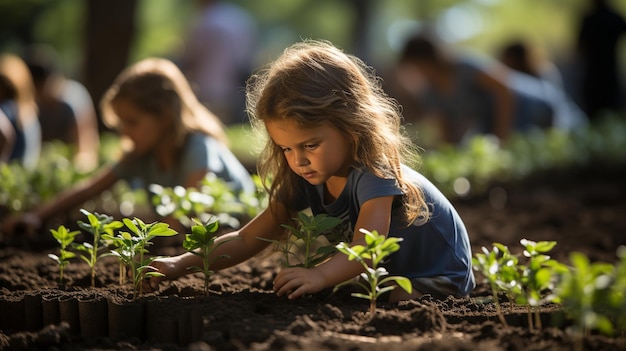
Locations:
{"points": [[162, 229], [131, 225]]}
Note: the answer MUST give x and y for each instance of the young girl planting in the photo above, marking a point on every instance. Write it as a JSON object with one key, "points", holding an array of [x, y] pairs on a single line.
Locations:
{"points": [[172, 140], [335, 146]]}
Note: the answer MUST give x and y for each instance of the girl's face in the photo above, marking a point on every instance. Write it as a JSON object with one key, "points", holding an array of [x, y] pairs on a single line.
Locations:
{"points": [[145, 130], [316, 154]]}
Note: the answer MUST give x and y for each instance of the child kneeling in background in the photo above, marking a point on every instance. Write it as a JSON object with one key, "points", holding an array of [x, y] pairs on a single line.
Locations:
{"points": [[172, 140]]}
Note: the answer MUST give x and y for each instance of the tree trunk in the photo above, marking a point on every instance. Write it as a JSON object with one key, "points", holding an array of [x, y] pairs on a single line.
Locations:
{"points": [[110, 30]]}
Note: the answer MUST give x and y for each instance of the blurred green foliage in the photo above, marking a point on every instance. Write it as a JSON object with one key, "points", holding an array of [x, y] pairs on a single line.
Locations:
{"points": [[22, 189], [485, 161], [458, 172]]}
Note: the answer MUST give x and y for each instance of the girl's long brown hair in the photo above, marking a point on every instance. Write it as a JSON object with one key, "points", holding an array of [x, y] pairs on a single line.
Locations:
{"points": [[315, 83]]}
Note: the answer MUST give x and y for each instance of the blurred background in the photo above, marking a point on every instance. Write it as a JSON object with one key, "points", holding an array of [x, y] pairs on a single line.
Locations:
{"points": [[95, 39]]}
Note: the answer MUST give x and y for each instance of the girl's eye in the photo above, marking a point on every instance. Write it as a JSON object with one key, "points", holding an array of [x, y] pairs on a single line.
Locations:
{"points": [[285, 149], [310, 146]]}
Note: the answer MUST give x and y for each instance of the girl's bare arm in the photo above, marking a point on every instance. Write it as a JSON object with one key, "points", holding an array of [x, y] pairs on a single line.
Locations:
{"points": [[238, 246], [78, 194]]}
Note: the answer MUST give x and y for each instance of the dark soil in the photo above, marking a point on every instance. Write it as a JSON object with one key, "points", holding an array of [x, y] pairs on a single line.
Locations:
{"points": [[583, 210]]}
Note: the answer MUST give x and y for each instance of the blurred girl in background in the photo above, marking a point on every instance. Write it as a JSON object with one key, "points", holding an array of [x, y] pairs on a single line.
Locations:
{"points": [[20, 132], [169, 138]]}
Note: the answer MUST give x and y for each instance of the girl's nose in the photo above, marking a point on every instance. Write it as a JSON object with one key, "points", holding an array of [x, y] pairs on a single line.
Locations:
{"points": [[300, 160]]}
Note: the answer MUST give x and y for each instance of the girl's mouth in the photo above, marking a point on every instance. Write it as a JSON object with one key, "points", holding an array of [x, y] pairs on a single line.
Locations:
{"points": [[308, 175]]}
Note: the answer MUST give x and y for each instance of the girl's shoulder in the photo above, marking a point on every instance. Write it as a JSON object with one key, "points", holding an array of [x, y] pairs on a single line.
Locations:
{"points": [[364, 184], [360, 174], [198, 136], [197, 140]]}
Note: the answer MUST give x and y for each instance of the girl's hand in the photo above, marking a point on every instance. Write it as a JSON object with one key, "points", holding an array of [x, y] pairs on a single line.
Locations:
{"points": [[297, 281], [166, 266], [27, 223]]}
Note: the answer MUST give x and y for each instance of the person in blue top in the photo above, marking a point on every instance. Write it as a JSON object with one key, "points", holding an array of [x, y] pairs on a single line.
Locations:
{"points": [[335, 146], [20, 131], [171, 138], [465, 96]]}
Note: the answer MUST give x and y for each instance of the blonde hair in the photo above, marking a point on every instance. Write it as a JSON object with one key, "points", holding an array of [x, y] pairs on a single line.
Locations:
{"points": [[158, 87], [315, 83], [20, 87]]}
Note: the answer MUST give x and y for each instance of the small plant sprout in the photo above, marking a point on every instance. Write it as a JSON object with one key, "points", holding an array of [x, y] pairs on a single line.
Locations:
{"points": [[370, 256], [524, 284], [97, 225], [617, 293], [539, 275], [582, 291], [124, 244], [132, 247], [201, 242], [499, 268], [302, 238], [65, 238]]}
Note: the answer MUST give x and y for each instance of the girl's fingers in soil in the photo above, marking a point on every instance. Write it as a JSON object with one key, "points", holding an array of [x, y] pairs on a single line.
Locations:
{"points": [[285, 282], [151, 283], [298, 281], [297, 293], [293, 289]]}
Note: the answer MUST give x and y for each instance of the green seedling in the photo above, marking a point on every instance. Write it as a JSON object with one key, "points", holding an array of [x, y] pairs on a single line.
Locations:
{"points": [[124, 249], [616, 298], [302, 239], [499, 268], [370, 256], [65, 238], [132, 248], [201, 242], [97, 225], [524, 284], [539, 275], [582, 291]]}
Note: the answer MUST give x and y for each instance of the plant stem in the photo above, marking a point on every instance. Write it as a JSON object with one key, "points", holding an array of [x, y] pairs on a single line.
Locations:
{"points": [[207, 264], [133, 269], [530, 317], [122, 274], [93, 268], [496, 301], [141, 249], [537, 320], [307, 245]]}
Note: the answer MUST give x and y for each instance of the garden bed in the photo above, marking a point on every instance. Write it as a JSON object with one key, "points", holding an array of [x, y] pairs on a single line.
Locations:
{"points": [[583, 210]]}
